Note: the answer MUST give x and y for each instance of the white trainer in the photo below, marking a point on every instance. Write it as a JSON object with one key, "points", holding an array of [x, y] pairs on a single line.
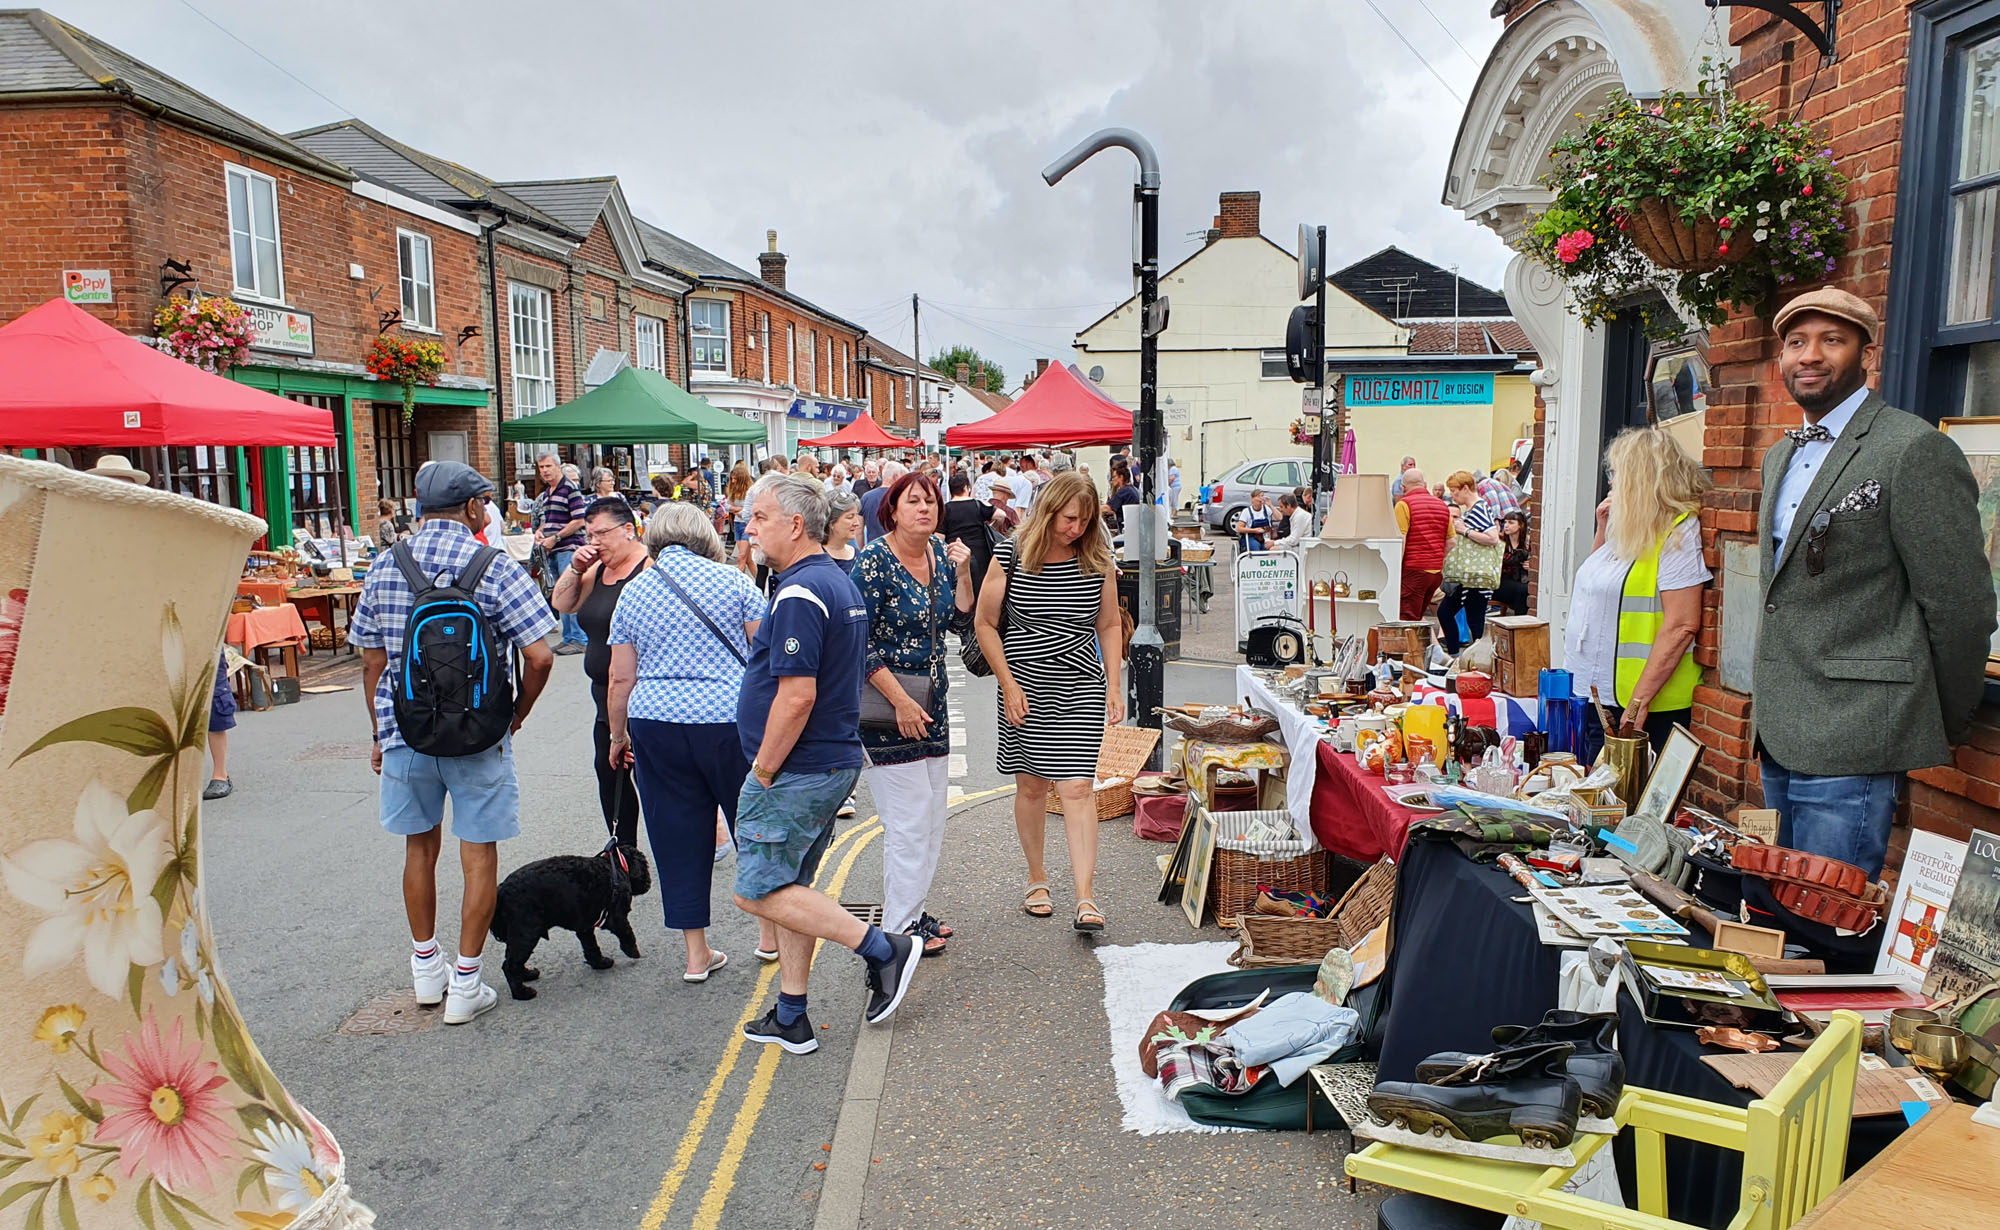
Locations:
{"points": [[430, 978], [461, 1006]]}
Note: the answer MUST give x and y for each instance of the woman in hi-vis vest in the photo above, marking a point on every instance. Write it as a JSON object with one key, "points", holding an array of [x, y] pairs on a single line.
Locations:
{"points": [[1636, 605]]}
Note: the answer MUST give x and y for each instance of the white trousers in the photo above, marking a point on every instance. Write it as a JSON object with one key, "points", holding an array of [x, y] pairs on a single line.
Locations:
{"points": [[911, 800]]}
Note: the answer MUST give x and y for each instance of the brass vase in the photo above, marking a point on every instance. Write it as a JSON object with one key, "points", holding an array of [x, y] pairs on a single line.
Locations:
{"points": [[1632, 757]]}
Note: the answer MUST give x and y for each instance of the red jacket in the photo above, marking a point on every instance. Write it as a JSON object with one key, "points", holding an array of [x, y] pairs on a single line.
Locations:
{"points": [[1430, 531]]}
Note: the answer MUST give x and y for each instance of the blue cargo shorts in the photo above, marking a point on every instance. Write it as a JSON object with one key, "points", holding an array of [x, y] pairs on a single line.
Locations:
{"points": [[485, 798], [783, 829]]}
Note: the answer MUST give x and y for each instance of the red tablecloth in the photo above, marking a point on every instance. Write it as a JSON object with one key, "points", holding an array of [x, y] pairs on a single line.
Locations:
{"points": [[269, 625], [1350, 814], [270, 593]]}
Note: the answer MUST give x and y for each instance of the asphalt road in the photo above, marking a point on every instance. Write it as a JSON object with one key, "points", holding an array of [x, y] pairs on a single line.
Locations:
{"points": [[626, 1098]]}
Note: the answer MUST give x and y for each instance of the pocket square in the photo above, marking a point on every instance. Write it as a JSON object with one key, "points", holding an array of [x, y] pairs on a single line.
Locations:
{"points": [[1864, 497]]}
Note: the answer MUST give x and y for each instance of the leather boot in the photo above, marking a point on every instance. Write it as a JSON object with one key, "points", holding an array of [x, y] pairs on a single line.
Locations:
{"points": [[1595, 1064], [1521, 1092]]}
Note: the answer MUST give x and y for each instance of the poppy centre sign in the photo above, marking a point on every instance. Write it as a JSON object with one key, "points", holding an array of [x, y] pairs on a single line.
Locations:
{"points": [[280, 329], [87, 285], [1451, 389]]}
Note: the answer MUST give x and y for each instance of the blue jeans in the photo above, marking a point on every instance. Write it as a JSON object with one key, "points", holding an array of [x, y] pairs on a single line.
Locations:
{"points": [[572, 631], [1844, 817]]}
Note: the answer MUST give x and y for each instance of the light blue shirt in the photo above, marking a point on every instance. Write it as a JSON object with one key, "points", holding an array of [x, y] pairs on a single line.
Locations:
{"points": [[685, 672], [1804, 468]]}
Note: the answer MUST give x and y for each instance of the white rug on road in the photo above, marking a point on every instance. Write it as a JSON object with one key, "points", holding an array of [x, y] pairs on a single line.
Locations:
{"points": [[1139, 981]]}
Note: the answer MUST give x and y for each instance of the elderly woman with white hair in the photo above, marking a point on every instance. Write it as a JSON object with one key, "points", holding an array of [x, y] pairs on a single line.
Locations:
{"points": [[871, 501], [679, 639]]}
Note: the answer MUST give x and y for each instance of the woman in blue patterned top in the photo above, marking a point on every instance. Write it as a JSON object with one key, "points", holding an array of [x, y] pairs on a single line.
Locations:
{"points": [[916, 589], [679, 638]]}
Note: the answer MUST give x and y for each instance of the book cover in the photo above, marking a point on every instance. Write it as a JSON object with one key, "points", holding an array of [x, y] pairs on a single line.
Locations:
{"points": [[1923, 899], [1968, 947]]}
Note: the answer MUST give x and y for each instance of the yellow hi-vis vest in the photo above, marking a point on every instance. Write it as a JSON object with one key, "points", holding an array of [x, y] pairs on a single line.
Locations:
{"points": [[1640, 616]]}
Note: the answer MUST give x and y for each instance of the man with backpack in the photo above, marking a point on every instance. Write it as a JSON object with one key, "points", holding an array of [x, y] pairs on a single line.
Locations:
{"points": [[437, 623]]}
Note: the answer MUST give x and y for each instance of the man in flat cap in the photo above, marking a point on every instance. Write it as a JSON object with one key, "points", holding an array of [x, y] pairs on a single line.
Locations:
{"points": [[484, 794], [1878, 599]]}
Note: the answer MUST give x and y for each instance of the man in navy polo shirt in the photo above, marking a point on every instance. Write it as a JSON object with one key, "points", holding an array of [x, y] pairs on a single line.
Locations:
{"points": [[799, 716]]}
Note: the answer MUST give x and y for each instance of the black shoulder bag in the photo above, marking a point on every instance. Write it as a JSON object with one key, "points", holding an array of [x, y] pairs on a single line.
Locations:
{"points": [[702, 615], [876, 711], [969, 651]]}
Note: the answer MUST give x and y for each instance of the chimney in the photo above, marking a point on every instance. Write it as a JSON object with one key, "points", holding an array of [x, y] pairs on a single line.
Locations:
{"points": [[771, 262], [981, 386], [1238, 219], [1041, 365], [965, 374]]}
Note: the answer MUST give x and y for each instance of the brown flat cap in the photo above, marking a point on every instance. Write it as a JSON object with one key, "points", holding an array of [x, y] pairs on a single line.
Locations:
{"points": [[1830, 301]]}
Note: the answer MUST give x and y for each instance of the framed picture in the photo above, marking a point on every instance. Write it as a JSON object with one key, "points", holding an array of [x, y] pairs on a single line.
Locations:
{"points": [[1979, 439], [1670, 776], [1201, 855], [1173, 879]]}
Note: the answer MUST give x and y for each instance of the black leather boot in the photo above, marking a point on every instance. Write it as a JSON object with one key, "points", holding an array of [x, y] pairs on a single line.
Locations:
{"points": [[1522, 1092], [1595, 1064]]}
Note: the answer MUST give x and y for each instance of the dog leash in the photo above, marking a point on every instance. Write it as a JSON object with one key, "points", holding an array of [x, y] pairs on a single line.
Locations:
{"points": [[621, 870]]}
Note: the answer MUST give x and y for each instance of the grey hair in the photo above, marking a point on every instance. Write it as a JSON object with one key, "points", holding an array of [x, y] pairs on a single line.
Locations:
{"points": [[601, 473], [838, 504], [676, 524], [798, 496], [893, 470], [545, 455]]}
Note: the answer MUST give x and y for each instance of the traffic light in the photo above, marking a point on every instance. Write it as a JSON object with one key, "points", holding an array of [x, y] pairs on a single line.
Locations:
{"points": [[1304, 361]]}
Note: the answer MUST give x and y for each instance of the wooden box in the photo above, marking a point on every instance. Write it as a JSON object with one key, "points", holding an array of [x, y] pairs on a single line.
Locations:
{"points": [[1520, 653]]}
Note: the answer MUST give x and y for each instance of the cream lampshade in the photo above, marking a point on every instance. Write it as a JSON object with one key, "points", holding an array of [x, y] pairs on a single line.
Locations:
{"points": [[1361, 509]]}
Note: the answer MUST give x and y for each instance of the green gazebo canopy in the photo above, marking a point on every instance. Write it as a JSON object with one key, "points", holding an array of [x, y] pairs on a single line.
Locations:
{"points": [[634, 407]]}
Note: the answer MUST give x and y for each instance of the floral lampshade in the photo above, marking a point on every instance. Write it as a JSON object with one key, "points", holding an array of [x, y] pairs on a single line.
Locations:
{"points": [[131, 1093]]}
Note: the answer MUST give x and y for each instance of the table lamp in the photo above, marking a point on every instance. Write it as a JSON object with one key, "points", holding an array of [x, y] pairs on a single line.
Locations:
{"points": [[1360, 509]]}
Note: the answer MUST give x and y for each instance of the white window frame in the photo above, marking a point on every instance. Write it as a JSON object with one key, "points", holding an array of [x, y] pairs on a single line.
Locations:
{"points": [[698, 334], [417, 292], [642, 325], [792, 354], [845, 371], [252, 289], [812, 360], [536, 344], [1267, 356], [764, 327]]}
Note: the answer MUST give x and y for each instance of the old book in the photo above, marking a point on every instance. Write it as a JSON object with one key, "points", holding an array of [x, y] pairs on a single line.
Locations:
{"points": [[1968, 948], [1923, 898]]}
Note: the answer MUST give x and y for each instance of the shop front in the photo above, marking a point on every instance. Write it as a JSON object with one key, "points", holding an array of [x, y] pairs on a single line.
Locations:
{"points": [[807, 418]]}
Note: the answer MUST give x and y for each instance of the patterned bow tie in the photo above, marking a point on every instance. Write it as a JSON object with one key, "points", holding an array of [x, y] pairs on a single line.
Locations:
{"points": [[1811, 433]]}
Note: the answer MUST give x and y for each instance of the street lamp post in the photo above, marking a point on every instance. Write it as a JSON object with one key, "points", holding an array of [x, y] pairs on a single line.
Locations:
{"points": [[1149, 656]]}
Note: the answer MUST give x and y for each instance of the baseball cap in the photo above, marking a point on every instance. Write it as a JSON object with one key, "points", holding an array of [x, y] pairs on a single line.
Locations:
{"points": [[1832, 301], [449, 484]]}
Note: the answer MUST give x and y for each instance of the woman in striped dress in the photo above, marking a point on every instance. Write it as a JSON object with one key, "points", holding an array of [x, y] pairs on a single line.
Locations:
{"points": [[1041, 630]]}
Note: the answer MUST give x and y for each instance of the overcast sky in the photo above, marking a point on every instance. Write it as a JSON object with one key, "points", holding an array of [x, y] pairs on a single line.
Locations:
{"points": [[894, 146]]}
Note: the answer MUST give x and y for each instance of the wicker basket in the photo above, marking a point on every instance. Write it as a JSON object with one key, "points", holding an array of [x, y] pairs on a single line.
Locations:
{"points": [[1266, 939], [323, 637], [1669, 241], [1122, 755], [1365, 905]]}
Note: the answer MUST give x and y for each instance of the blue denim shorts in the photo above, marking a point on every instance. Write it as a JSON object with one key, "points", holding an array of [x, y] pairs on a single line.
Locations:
{"points": [[485, 798], [782, 830]]}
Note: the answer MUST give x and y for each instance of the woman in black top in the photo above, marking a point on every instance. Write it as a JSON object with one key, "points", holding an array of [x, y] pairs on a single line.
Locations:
{"points": [[588, 589], [1513, 591], [965, 520]]}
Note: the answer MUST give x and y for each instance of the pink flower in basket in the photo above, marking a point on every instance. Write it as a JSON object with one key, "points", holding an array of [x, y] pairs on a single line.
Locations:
{"points": [[162, 1109]]}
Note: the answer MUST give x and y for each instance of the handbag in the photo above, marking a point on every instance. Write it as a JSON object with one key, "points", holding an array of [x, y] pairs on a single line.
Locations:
{"points": [[702, 615], [876, 711], [1472, 565], [969, 651]]}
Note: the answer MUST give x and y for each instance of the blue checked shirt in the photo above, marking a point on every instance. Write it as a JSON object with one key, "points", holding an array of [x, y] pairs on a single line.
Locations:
{"points": [[505, 593], [685, 673]]}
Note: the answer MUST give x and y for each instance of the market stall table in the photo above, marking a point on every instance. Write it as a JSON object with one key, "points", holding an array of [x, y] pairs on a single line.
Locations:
{"points": [[270, 593], [1466, 957], [267, 627], [322, 599], [1939, 1175]]}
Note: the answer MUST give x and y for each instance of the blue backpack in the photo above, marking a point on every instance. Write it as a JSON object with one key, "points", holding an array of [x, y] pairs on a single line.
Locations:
{"points": [[452, 693]]}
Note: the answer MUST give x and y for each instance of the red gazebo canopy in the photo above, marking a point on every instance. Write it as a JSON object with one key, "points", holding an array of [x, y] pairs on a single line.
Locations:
{"points": [[863, 432], [1060, 407], [69, 379]]}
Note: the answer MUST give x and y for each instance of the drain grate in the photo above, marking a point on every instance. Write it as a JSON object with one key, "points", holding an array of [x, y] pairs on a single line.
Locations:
{"points": [[392, 1012], [867, 911], [334, 751]]}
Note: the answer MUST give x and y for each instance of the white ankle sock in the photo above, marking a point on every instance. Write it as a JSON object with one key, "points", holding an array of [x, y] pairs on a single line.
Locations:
{"points": [[466, 972], [426, 950]]}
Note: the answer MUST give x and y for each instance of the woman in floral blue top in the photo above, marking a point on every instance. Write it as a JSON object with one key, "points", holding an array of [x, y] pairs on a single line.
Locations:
{"points": [[916, 589]]}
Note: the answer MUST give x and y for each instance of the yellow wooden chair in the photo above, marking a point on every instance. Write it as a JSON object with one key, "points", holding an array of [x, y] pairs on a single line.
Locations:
{"points": [[1793, 1142]]}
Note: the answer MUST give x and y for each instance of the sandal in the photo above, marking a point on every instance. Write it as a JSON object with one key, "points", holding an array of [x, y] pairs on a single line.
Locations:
{"points": [[767, 955], [932, 943], [1088, 918], [1044, 908], [935, 926], [716, 960]]}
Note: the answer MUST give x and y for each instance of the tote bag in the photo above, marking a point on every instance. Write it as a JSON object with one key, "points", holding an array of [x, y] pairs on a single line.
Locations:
{"points": [[1471, 565]]}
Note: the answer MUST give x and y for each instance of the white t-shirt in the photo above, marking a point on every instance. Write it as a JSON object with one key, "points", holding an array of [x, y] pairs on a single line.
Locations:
{"points": [[1024, 490], [1590, 643], [982, 487], [494, 525]]}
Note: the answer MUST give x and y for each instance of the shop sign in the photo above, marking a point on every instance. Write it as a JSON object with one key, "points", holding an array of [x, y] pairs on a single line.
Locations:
{"points": [[87, 285], [1267, 585], [813, 411], [280, 329], [1454, 389]]}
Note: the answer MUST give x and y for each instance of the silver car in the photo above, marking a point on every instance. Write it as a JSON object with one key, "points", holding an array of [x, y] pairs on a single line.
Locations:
{"points": [[1230, 494]]}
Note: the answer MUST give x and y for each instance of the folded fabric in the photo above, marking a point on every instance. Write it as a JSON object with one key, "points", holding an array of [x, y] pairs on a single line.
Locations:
{"points": [[1187, 1064], [1291, 1034]]}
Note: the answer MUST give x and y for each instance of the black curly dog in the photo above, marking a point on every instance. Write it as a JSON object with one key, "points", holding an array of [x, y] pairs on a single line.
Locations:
{"points": [[576, 892]]}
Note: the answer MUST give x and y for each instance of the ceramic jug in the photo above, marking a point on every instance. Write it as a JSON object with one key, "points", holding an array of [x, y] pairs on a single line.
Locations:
{"points": [[131, 1093]]}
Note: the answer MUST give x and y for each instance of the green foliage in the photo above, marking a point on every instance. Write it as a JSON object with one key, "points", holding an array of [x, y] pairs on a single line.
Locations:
{"points": [[1766, 182], [947, 361]]}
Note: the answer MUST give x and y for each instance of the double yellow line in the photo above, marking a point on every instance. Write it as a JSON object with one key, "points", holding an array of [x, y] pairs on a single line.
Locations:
{"points": [[723, 1179]]}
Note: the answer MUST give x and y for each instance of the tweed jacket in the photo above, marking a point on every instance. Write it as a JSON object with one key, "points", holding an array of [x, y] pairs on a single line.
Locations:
{"points": [[1877, 664]]}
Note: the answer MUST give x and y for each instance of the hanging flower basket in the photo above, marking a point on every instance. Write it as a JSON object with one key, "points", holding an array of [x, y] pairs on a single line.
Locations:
{"points": [[208, 331], [402, 361], [1705, 195]]}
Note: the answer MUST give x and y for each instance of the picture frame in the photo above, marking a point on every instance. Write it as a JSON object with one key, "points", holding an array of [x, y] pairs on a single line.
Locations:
{"points": [[1201, 856], [1668, 781], [1173, 878], [1979, 440]]}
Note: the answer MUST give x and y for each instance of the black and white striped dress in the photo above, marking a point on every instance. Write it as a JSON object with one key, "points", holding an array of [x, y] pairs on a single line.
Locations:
{"points": [[1051, 644]]}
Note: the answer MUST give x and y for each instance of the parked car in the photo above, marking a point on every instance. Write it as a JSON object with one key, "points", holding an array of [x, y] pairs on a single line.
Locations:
{"points": [[1230, 494]]}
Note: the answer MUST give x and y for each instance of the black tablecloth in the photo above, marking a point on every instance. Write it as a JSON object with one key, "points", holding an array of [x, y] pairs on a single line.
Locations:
{"points": [[1466, 958]]}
